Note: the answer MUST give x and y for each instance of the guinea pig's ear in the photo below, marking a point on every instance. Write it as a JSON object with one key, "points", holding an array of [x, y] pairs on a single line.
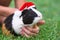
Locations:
{"points": [[24, 12], [34, 7]]}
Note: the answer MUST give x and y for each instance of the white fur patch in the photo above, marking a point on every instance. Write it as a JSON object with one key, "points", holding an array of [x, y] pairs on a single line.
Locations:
{"points": [[17, 23], [31, 6]]}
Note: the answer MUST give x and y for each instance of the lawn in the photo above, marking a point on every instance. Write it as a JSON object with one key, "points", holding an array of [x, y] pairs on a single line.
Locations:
{"points": [[51, 14]]}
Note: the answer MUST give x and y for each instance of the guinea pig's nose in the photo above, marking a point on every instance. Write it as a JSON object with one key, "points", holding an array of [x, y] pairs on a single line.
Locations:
{"points": [[38, 16]]}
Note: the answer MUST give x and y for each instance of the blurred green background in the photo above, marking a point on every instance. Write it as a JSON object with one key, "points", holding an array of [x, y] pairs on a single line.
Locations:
{"points": [[51, 14]]}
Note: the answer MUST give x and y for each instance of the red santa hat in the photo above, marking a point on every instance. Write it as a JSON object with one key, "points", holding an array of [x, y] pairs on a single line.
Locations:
{"points": [[27, 5]]}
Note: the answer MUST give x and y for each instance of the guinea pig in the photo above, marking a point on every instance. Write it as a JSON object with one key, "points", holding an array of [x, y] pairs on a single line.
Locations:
{"points": [[14, 22]]}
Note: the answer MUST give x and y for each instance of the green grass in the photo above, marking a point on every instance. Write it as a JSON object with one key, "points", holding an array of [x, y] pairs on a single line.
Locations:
{"points": [[51, 14]]}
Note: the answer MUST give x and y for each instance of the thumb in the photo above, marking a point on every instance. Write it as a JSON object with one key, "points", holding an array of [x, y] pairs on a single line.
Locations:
{"points": [[36, 26]]}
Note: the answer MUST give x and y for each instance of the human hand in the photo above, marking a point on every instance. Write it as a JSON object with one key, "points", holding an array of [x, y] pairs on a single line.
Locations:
{"points": [[28, 31]]}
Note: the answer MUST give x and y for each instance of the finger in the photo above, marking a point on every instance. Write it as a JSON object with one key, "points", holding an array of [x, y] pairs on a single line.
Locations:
{"points": [[41, 22], [34, 30], [24, 34], [28, 31]]}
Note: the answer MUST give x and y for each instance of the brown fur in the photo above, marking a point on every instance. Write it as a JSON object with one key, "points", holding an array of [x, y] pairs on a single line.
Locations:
{"points": [[4, 30]]}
